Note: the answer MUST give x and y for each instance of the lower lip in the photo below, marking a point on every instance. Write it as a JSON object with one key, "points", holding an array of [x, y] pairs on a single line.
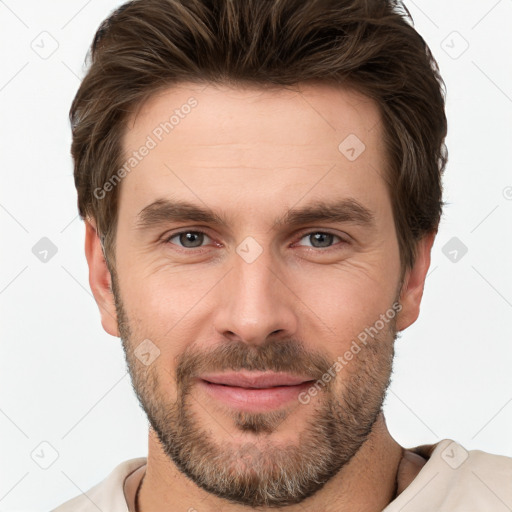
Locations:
{"points": [[253, 400]]}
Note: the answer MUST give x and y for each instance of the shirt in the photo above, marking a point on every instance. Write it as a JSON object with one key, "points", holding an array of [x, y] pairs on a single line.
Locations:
{"points": [[453, 479]]}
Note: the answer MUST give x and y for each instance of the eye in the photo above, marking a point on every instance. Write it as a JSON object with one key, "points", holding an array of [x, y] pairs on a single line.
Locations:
{"points": [[195, 239], [320, 239], [188, 239]]}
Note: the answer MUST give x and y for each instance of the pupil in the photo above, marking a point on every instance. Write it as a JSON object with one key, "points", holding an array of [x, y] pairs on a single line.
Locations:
{"points": [[189, 237], [323, 238]]}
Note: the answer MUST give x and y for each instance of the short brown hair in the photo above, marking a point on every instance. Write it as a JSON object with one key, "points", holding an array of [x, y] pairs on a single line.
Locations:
{"points": [[368, 45]]}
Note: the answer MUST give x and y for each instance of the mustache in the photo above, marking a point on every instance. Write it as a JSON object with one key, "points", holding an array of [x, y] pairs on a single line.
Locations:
{"points": [[287, 356]]}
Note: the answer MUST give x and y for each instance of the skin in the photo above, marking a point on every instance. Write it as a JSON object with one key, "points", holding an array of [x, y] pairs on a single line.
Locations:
{"points": [[250, 155]]}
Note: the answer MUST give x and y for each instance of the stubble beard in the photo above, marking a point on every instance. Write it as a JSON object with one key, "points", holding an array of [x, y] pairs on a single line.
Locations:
{"points": [[262, 472]]}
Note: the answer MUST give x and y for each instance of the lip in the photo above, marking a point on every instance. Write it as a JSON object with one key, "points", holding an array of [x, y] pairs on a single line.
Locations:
{"points": [[254, 391], [254, 379]]}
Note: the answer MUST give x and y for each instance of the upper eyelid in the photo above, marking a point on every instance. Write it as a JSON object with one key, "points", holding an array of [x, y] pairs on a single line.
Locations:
{"points": [[167, 236], [309, 231]]}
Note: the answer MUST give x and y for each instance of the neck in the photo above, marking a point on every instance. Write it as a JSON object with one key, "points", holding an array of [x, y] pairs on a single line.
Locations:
{"points": [[367, 483]]}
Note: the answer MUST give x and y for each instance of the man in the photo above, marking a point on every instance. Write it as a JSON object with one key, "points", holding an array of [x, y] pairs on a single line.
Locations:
{"points": [[261, 187]]}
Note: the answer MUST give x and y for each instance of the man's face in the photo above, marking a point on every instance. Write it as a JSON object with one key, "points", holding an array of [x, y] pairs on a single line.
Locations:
{"points": [[262, 290]]}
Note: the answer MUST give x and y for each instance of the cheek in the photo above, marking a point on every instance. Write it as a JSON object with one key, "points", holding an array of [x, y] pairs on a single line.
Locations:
{"points": [[164, 305], [160, 290], [342, 303]]}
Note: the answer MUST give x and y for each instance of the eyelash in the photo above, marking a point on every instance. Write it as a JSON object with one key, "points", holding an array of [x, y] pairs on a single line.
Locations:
{"points": [[167, 239]]}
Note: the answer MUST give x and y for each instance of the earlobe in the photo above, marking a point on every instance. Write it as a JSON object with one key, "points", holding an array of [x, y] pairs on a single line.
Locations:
{"points": [[414, 282], [100, 279]]}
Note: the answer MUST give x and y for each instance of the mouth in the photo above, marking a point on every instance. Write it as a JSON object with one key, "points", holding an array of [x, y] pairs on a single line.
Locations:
{"points": [[254, 391]]}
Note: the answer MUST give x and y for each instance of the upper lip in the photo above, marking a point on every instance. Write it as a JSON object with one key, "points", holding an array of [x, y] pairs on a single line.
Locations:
{"points": [[255, 379]]}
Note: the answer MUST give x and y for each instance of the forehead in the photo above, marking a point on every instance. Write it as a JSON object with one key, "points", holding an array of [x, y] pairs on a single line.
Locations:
{"points": [[266, 115], [254, 140]]}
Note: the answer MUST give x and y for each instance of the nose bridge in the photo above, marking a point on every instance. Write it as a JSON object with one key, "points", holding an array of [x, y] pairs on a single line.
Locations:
{"points": [[256, 281], [254, 303]]}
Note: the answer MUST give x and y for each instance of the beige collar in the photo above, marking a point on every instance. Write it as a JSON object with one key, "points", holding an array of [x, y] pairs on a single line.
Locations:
{"points": [[131, 484]]}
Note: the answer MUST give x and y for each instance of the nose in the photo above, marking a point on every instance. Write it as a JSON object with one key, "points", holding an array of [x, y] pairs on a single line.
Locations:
{"points": [[255, 302]]}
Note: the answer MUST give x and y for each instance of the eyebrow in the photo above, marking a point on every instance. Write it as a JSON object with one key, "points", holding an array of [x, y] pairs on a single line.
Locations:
{"points": [[346, 210]]}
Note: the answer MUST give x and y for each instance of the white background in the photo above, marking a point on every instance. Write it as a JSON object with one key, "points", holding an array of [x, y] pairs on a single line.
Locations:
{"points": [[63, 380]]}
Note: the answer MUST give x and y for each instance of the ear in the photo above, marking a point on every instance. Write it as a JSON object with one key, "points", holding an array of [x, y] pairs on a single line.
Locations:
{"points": [[414, 282], [100, 280]]}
